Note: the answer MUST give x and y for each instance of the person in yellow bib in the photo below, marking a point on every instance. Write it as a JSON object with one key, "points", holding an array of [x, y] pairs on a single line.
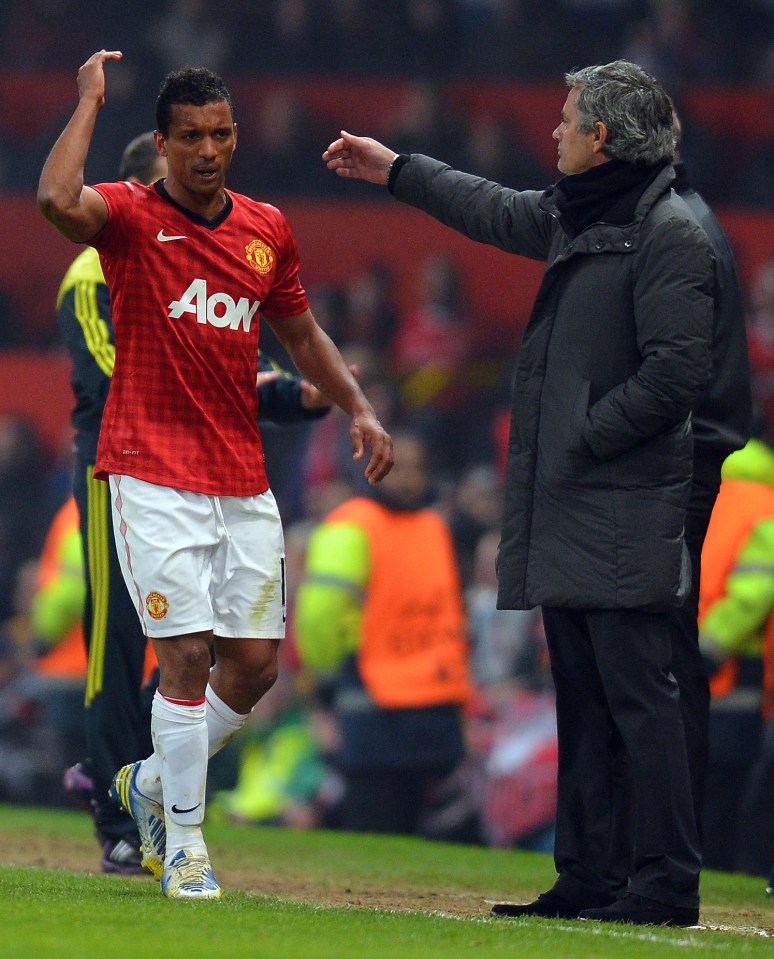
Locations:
{"points": [[380, 612]]}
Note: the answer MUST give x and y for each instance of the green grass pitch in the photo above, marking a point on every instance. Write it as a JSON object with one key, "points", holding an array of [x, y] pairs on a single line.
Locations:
{"points": [[326, 895]]}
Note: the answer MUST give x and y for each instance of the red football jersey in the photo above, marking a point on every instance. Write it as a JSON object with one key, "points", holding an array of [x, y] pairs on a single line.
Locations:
{"points": [[186, 296]]}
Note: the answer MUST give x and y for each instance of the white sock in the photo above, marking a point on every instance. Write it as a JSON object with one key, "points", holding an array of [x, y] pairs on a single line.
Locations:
{"points": [[148, 779], [179, 732], [222, 725], [222, 722]]}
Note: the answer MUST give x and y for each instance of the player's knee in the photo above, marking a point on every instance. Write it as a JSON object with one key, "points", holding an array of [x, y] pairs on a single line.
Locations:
{"points": [[263, 673], [187, 661], [268, 676], [248, 671]]}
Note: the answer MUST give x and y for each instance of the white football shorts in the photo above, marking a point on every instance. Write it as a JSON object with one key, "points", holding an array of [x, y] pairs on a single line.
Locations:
{"points": [[194, 562]]}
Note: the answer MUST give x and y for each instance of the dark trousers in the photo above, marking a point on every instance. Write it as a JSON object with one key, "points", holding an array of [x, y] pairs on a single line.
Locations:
{"points": [[727, 794], [755, 850], [687, 663], [625, 810], [117, 727], [395, 801]]}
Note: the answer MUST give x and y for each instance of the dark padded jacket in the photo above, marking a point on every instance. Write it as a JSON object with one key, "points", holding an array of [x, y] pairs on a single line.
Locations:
{"points": [[614, 357], [722, 422]]}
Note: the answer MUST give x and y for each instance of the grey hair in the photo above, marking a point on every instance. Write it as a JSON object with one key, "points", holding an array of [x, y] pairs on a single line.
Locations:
{"points": [[634, 107]]}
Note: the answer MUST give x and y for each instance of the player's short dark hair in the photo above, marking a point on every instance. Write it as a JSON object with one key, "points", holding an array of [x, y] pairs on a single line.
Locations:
{"points": [[138, 159], [196, 86]]}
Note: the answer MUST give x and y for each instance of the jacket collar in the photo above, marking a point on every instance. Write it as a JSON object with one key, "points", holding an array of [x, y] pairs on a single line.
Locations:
{"points": [[653, 192]]}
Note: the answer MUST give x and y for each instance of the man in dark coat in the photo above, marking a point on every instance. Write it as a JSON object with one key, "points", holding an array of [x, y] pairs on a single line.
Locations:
{"points": [[615, 356]]}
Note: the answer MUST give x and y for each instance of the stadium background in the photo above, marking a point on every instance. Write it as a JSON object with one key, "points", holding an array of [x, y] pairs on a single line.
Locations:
{"points": [[475, 82], [425, 75]]}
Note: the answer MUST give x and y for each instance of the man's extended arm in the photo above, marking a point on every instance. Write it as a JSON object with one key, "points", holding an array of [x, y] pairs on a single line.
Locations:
{"points": [[479, 209], [76, 210]]}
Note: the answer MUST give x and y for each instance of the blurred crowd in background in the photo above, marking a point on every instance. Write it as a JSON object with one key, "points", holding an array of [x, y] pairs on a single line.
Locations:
{"points": [[425, 368], [681, 40], [428, 44]]}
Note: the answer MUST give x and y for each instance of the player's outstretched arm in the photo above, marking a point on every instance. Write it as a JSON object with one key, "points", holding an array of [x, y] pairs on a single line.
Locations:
{"points": [[317, 358], [76, 210], [359, 157]]}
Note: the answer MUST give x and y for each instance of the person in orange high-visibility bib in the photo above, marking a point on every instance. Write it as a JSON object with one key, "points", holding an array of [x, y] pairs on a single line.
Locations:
{"points": [[736, 634], [57, 605], [380, 608]]}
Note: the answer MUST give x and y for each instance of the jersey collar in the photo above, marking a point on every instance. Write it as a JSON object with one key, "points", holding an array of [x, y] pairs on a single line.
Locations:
{"points": [[196, 217]]}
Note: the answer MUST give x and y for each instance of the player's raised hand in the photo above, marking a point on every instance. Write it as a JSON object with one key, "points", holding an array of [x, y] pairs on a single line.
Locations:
{"points": [[91, 76], [359, 157]]}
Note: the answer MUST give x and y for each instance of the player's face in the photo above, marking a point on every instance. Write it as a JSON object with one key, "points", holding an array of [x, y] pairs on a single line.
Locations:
{"points": [[198, 148], [576, 149]]}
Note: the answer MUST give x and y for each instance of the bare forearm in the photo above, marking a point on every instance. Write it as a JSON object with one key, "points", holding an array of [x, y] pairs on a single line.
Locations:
{"points": [[76, 211], [60, 189], [317, 358], [315, 355]]}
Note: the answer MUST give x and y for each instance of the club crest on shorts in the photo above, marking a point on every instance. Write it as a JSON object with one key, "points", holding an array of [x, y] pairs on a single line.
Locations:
{"points": [[260, 256], [157, 605]]}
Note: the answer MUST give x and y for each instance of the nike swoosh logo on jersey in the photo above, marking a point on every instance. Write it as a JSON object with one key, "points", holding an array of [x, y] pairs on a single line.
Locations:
{"points": [[174, 808], [163, 238]]}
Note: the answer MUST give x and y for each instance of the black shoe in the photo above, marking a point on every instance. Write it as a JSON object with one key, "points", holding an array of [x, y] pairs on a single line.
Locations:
{"points": [[549, 905], [123, 856], [644, 912]]}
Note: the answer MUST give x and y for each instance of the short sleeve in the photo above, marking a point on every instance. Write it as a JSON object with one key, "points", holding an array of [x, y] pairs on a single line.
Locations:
{"points": [[287, 296], [120, 200]]}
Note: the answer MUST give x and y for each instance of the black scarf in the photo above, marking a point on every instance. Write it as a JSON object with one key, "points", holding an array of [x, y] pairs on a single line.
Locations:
{"points": [[608, 193]]}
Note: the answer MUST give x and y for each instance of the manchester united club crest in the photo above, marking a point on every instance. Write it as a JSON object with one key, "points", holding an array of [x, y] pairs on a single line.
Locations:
{"points": [[157, 605], [260, 256]]}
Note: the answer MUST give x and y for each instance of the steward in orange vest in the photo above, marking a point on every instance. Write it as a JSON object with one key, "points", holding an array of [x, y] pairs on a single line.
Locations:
{"points": [[380, 610], [57, 606], [736, 607], [412, 649], [737, 572]]}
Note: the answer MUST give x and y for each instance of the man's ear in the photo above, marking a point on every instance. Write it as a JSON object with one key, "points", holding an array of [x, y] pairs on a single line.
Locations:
{"points": [[236, 131], [161, 143], [600, 137]]}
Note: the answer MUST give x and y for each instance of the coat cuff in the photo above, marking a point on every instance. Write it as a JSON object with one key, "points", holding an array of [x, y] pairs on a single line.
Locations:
{"points": [[395, 167]]}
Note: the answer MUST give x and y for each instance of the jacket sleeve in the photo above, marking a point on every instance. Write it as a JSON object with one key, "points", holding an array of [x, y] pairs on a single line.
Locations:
{"points": [[480, 209], [329, 604], [280, 400], [734, 624], [672, 292], [84, 319]]}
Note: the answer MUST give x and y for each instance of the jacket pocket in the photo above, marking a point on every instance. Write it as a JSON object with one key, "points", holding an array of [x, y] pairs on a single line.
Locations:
{"points": [[564, 457]]}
